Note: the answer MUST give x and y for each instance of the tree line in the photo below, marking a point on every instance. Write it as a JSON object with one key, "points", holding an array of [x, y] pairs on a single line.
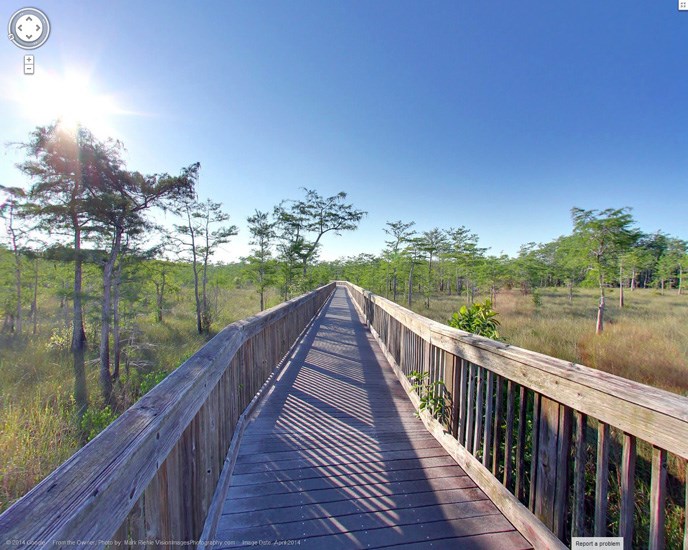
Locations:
{"points": [[84, 209], [604, 249]]}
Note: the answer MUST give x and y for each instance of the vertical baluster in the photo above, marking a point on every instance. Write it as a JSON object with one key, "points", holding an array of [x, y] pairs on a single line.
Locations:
{"points": [[658, 498], [685, 527], [508, 452], [561, 495], [453, 377], [487, 434], [470, 405], [497, 436], [462, 400], [627, 489], [480, 390], [521, 444], [602, 480], [534, 453], [578, 526]]}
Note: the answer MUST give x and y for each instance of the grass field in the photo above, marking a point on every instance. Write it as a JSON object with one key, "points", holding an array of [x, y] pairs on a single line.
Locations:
{"points": [[646, 341], [37, 416]]}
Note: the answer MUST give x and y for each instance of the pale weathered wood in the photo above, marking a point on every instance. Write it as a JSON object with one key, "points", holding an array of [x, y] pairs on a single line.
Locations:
{"points": [[456, 395], [238, 426], [546, 484], [497, 437], [561, 495], [92, 493], [463, 400], [346, 456], [529, 526], [658, 499], [654, 415], [628, 459], [535, 436], [578, 524], [519, 490], [489, 412], [480, 392], [685, 510], [470, 404], [602, 480], [509, 441], [560, 388]]}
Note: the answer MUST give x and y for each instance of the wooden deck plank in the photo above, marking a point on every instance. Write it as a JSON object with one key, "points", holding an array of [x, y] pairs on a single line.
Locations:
{"points": [[335, 458]]}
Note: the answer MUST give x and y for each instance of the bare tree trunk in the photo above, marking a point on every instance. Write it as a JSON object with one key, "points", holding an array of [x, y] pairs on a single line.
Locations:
{"points": [[680, 279], [116, 337], [160, 296], [633, 276], [78, 346], [621, 286], [570, 286], [34, 302], [394, 285], [17, 270], [410, 286], [599, 327], [600, 317], [18, 282], [106, 314]]}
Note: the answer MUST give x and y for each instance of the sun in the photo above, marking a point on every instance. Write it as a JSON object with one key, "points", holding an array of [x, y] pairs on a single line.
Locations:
{"points": [[72, 99]]}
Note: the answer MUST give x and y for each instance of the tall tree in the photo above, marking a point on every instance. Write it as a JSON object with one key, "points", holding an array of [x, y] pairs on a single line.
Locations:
{"points": [[119, 201], [262, 231], [432, 243], [58, 161], [303, 223], [605, 235], [201, 240], [400, 232], [11, 211]]}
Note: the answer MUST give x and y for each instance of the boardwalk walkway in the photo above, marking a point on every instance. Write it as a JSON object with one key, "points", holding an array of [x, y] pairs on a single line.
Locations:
{"points": [[334, 458]]}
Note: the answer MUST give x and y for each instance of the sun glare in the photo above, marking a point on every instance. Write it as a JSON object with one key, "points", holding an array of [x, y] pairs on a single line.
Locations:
{"points": [[70, 98]]}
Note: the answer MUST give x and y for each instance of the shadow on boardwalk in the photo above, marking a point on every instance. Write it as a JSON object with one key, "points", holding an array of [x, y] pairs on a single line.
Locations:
{"points": [[334, 458]]}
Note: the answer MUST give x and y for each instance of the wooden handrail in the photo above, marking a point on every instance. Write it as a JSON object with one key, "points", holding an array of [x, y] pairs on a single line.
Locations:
{"points": [[509, 403], [150, 476]]}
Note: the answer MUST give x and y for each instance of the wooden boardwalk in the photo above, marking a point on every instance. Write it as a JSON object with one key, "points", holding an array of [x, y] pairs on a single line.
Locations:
{"points": [[334, 458]]}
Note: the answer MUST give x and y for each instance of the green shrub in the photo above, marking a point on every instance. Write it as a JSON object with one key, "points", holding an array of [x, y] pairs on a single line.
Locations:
{"points": [[478, 319], [150, 380], [95, 421], [432, 396]]}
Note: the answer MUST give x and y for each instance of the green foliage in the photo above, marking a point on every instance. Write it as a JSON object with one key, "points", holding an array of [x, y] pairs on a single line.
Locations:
{"points": [[477, 319], [95, 421], [432, 396], [537, 298], [150, 380]]}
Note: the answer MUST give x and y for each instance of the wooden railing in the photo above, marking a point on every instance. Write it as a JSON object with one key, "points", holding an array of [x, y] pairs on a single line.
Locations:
{"points": [[151, 475], [537, 433]]}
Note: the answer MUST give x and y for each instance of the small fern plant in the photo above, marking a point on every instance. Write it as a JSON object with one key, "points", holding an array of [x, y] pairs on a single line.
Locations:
{"points": [[432, 396]]}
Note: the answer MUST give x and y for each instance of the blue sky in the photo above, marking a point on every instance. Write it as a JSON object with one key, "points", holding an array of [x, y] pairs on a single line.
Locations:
{"points": [[496, 116]]}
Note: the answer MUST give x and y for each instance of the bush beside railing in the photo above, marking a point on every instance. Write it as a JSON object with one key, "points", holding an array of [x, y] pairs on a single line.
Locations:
{"points": [[545, 430]]}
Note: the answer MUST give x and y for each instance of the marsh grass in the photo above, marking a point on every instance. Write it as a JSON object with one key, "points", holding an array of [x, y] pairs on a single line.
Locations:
{"points": [[646, 341], [38, 425]]}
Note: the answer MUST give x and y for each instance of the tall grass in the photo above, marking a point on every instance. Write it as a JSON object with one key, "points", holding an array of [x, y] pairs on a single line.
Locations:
{"points": [[38, 425], [645, 341]]}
